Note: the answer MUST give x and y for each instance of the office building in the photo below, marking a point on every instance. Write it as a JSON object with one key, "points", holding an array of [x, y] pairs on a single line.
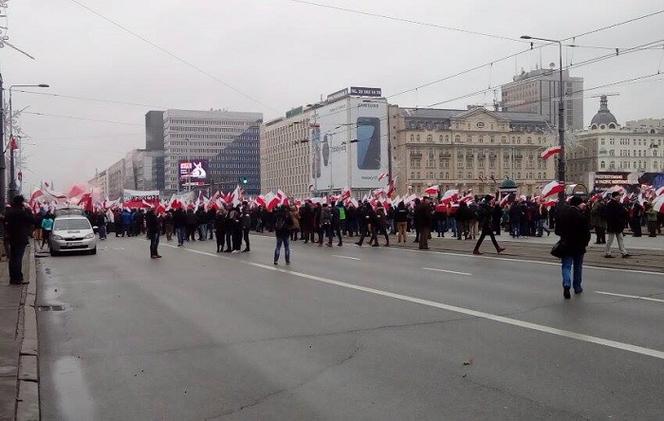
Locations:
{"points": [[537, 92], [325, 147], [154, 130], [199, 135], [238, 164]]}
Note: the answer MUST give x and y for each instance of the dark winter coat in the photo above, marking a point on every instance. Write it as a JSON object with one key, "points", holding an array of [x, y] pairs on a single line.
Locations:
{"points": [[616, 216], [573, 227]]}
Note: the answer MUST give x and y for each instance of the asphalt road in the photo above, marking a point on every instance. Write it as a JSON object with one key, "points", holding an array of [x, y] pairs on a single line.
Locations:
{"points": [[343, 333]]}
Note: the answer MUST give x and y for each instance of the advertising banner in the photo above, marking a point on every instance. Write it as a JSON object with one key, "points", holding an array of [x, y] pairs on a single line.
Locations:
{"points": [[348, 145], [138, 198], [193, 173]]}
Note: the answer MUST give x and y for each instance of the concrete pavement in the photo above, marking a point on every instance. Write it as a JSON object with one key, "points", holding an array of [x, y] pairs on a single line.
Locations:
{"points": [[343, 333]]}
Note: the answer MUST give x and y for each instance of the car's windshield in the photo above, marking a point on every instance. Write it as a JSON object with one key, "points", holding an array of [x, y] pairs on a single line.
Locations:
{"points": [[71, 224]]}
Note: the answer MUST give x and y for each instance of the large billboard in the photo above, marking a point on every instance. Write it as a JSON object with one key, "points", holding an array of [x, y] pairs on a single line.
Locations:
{"points": [[193, 173], [348, 143]]}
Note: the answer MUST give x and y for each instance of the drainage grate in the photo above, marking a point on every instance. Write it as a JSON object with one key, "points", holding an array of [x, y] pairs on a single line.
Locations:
{"points": [[51, 308]]}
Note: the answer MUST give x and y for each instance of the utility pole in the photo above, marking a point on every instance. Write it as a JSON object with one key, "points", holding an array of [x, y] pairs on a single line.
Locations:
{"points": [[561, 113], [2, 161]]}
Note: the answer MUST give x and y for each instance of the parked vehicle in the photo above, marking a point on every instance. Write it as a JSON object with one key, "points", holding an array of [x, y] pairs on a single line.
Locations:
{"points": [[72, 233]]}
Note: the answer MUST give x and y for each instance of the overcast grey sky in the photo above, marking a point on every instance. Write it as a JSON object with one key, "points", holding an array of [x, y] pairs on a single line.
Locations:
{"points": [[285, 54]]}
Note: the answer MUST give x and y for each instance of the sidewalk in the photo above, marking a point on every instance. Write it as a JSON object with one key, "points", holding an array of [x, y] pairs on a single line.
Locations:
{"points": [[647, 253], [18, 358]]}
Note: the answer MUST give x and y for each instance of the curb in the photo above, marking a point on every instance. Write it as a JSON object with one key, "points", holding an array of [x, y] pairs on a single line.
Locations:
{"points": [[27, 401]]}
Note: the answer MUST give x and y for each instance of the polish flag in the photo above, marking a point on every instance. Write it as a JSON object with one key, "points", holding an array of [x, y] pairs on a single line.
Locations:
{"points": [[658, 204], [660, 191], [467, 199], [391, 188], [260, 200], [432, 191], [552, 188], [505, 200], [346, 193], [549, 202], [549, 152], [450, 196], [382, 175], [76, 190]]}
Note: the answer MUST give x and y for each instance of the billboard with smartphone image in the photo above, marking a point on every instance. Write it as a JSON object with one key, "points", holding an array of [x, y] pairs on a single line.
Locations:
{"points": [[348, 144]]}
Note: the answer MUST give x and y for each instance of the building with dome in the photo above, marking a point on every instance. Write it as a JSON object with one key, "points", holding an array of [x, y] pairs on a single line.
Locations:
{"points": [[608, 151]]}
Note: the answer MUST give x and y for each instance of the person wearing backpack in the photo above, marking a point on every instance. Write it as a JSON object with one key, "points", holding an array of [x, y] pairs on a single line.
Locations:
{"points": [[282, 227]]}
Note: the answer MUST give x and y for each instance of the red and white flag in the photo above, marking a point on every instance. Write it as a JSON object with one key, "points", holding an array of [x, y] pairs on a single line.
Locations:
{"points": [[658, 204], [660, 191], [432, 191], [505, 200], [382, 175], [346, 193], [549, 152], [450, 196], [469, 198], [552, 188], [549, 202]]}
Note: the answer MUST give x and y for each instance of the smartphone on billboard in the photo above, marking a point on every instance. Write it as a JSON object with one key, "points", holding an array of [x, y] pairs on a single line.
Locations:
{"points": [[368, 143], [315, 146]]}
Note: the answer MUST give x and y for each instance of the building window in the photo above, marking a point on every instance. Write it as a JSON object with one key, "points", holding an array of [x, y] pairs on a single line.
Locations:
{"points": [[602, 164]]}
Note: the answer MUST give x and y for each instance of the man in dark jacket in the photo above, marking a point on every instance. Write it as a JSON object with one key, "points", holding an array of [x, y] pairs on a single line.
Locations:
{"points": [[423, 220], [282, 227], [616, 217], [153, 231], [220, 228], [367, 223], [245, 223], [573, 227], [180, 225], [18, 226], [485, 218]]}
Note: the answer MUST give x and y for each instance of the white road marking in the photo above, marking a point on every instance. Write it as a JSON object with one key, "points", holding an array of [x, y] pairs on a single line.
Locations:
{"points": [[507, 259], [346, 257], [448, 271], [539, 262], [636, 297], [461, 310]]}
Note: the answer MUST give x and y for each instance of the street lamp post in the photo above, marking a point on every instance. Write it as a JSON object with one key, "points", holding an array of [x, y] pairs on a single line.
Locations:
{"points": [[12, 177], [561, 114]]}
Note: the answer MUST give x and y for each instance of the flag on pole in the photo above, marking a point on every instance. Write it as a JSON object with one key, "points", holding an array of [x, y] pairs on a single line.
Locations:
{"points": [[658, 204], [552, 188], [450, 196], [549, 152]]}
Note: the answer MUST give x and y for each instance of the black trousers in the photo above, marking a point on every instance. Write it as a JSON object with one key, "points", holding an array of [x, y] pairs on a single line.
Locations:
{"points": [[245, 236], [16, 252], [485, 232], [221, 236], [237, 239]]}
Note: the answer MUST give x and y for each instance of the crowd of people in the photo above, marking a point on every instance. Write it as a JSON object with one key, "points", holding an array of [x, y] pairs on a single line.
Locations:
{"points": [[326, 223], [330, 223]]}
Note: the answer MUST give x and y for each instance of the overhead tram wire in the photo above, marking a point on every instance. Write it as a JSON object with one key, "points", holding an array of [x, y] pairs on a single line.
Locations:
{"points": [[173, 55], [498, 60], [406, 20], [80, 98], [71, 117], [592, 60]]}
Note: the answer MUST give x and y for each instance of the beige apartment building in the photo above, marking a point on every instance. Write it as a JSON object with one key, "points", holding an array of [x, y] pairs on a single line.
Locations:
{"points": [[469, 149], [607, 147]]}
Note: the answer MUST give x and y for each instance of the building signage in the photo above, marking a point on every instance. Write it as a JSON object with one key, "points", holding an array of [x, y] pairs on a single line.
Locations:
{"points": [[294, 112], [193, 173], [338, 94], [605, 180], [363, 91]]}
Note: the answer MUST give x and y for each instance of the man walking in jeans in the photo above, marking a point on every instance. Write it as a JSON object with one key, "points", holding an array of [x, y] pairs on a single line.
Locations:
{"points": [[282, 227], [18, 225], [616, 217]]}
